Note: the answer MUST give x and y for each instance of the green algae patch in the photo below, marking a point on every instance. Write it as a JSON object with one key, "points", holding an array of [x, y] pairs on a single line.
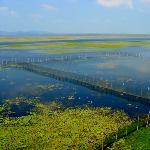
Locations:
{"points": [[73, 128]]}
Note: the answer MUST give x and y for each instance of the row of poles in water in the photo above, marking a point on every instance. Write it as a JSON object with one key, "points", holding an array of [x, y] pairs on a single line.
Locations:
{"points": [[4, 61]]}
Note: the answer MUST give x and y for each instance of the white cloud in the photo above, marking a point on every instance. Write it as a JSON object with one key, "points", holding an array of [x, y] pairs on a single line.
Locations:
{"points": [[36, 17], [146, 1], [116, 3], [7, 11], [48, 7]]}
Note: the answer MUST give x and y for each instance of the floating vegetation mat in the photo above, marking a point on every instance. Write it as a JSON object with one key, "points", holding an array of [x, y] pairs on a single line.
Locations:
{"points": [[48, 126]]}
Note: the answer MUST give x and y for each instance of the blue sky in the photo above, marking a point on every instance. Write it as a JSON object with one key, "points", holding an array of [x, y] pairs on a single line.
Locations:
{"points": [[76, 16]]}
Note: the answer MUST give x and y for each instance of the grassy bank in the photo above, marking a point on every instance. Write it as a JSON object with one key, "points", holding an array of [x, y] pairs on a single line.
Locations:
{"points": [[139, 140]]}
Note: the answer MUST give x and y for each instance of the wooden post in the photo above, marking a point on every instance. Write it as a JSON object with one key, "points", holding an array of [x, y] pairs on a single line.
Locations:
{"points": [[148, 118], [138, 123]]}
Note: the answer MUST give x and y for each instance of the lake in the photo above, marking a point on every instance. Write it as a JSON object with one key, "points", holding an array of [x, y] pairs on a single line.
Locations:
{"points": [[124, 64]]}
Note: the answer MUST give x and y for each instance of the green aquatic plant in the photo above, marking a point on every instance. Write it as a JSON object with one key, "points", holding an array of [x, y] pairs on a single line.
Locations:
{"points": [[71, 98], [20, 104], [1, 109], [39, 89], [49, 127]]}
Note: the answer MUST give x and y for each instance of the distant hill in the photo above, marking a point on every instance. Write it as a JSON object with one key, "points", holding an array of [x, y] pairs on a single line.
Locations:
{"points": [[40, 33], [21, 33]]}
